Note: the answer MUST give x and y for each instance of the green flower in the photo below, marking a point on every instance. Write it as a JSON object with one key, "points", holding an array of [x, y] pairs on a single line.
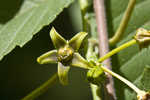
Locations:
{"points": [[65, 54]]}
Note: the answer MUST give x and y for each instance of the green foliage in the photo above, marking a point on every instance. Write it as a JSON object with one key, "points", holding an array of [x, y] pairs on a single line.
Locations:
{"points": [[145, 80], [31, 18], [132, 60], [142, 82], [35, 14]]}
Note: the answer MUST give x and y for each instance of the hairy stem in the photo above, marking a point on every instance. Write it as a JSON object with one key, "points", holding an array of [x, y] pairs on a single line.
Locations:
{"points": [[99, 8], [42, 89], [116, 50], [95, 89], [132, 86], [84, 4], [124, 22]]}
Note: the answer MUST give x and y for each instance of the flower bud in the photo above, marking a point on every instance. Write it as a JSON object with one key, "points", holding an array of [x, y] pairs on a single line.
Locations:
{"points": [[143, 96], [142, 37], [96, 75]]}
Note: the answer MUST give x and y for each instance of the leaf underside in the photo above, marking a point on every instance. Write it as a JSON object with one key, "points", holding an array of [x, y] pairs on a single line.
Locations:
{"points": [[32, 17]]}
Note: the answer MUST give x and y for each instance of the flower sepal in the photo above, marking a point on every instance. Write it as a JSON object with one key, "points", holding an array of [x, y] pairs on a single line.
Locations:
{"points": [[49, 57], [63, 73]]}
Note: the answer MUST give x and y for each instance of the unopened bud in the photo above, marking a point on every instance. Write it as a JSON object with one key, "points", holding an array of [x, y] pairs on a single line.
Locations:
{"points": [[96, 75], [142, 37], [143, 95]]}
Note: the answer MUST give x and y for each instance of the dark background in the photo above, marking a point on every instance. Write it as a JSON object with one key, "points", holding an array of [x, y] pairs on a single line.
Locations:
{"points": [[19, 71]]}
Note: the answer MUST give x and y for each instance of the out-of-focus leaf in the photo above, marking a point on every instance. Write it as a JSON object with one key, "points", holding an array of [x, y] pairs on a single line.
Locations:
{"points": [[142, 81], [33, 15], [145, 80], [134, 67], [139, 17], [131, 61]]}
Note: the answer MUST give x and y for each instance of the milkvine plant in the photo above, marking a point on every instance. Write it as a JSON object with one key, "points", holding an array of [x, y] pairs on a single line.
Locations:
{"points": [[67, 51], [66, 54]]}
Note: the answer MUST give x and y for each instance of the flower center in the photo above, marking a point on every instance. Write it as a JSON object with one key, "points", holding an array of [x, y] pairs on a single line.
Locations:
{"points": [[65, 54]]}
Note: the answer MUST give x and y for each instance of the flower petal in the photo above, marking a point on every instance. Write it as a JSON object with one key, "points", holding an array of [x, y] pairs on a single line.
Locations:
{"points": [[63, 73], [49, 57], [79, 61], [57, 39], [76, 41]]}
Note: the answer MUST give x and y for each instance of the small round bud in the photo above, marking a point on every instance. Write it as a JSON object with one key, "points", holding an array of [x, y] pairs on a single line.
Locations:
{"points": [[65, 54], [143, 96], [142, 37], [96, 75]]}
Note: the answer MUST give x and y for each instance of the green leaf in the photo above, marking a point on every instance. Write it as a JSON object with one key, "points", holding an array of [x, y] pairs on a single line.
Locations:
{"points": [[131, 61], [28, 21], [137, 62], [143, 82], [129, 52], [139, 17], [134, 67]]}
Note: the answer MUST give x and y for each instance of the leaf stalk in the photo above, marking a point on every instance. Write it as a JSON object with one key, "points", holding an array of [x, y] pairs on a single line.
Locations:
{"points": [[118, 49]]}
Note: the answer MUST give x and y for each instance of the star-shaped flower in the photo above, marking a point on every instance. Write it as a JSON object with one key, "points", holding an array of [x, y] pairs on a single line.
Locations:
{"points": [[65, 54]]}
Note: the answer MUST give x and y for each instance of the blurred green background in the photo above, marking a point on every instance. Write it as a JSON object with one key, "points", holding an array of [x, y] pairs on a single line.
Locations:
{"points": [[20, 73]]}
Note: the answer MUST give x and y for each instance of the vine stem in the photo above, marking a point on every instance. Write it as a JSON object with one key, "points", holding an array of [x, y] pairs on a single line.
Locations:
{"points": [[84, 4], [99, 8], [124, 22], [116, 50], [42, 89], [137, 90], [94, 88]]}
